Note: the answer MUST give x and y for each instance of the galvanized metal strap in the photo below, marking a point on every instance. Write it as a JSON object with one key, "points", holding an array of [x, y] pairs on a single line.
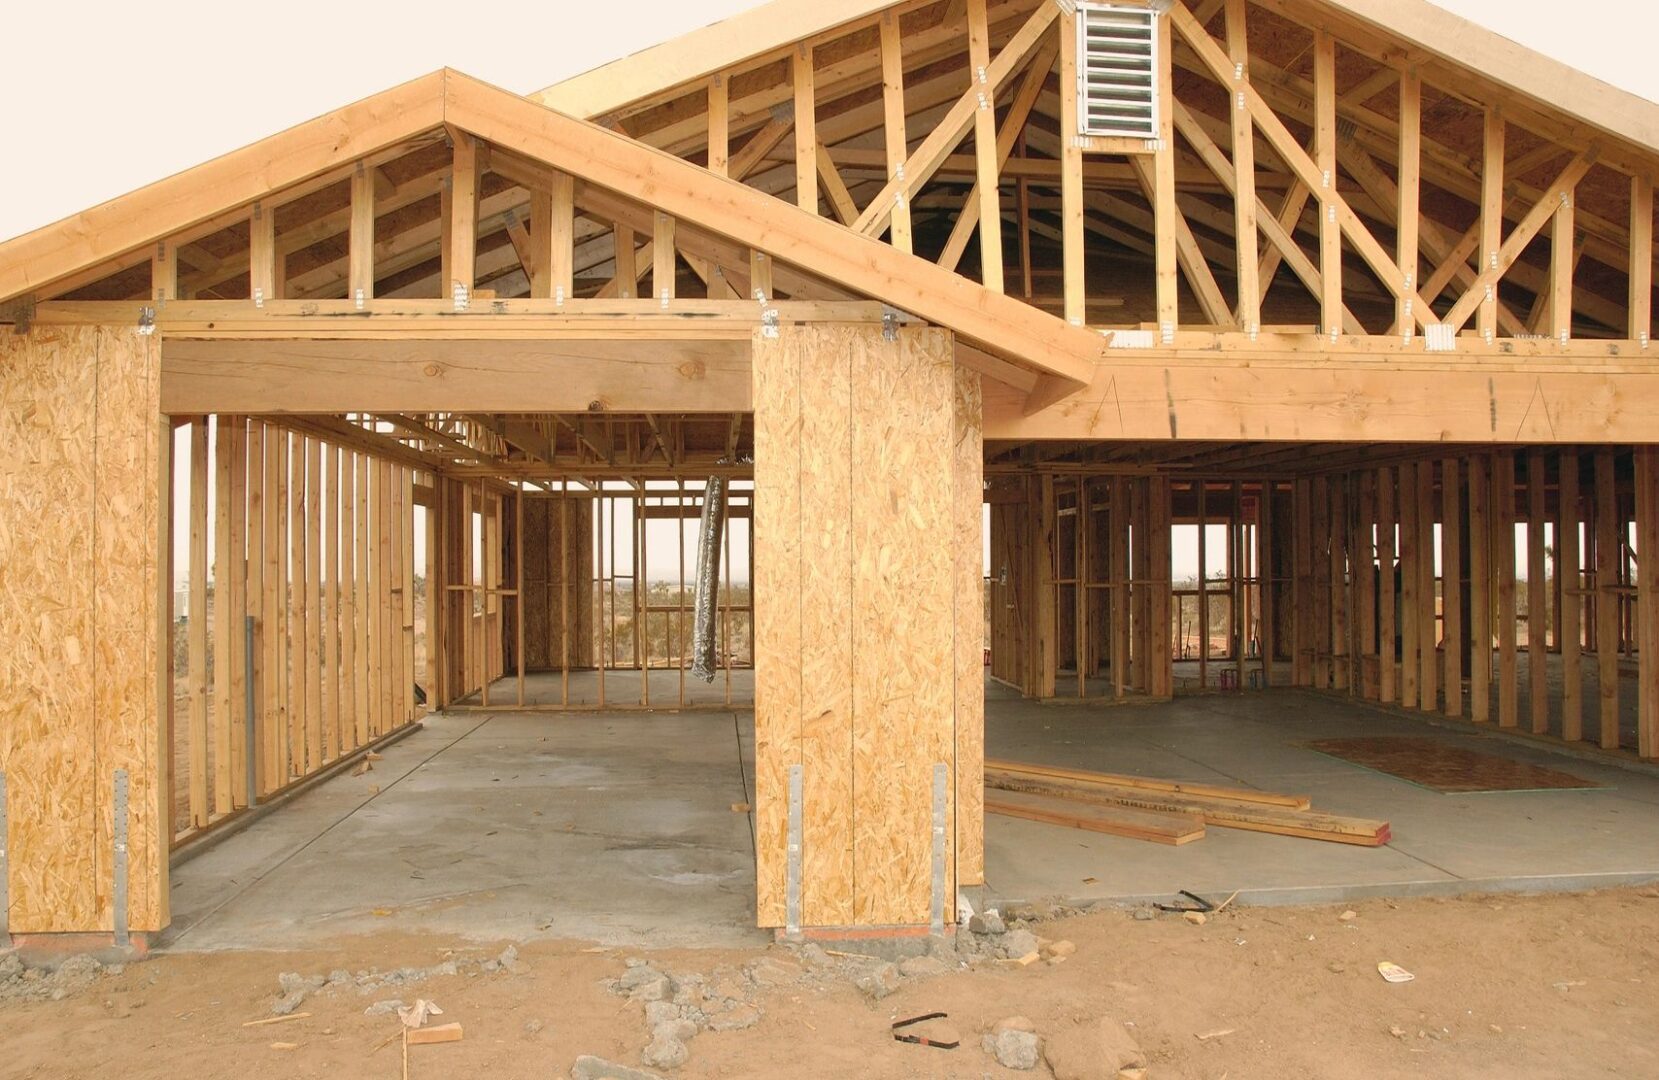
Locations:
{"points": [[792, 889], [5, 893], [120, 912], [936, 908]]}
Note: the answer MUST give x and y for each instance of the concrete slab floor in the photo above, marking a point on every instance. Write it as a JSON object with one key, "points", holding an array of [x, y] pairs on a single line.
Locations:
{"points": [[612, 827], [618, 826], [1496, 841]]}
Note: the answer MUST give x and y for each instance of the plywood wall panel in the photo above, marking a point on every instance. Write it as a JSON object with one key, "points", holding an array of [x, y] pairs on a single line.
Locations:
{"points": [[867, 512], [827, 589], [777, 586], [967, 519], [125, 523], [47, 480], [903, 694]]}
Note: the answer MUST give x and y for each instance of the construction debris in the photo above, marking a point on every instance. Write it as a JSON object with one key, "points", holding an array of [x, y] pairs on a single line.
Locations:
{"points": [[1165, 811]]}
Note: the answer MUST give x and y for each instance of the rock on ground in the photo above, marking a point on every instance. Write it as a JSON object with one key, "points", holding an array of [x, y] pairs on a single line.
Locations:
{"points": [[880, 982], [1018, 943], [1014, 1049], [588, 1067], [921, 967], [664, 1053], [1099, 1050]]}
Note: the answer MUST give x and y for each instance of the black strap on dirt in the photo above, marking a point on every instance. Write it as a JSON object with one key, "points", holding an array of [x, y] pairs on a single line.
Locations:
{"points": [[921, 1040]]}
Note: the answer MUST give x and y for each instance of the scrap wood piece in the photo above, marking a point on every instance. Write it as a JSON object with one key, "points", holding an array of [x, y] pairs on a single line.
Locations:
{"points": [[1363, 832], [1173, 787], [276, 1019], [1156, 826], [438, 1033]]}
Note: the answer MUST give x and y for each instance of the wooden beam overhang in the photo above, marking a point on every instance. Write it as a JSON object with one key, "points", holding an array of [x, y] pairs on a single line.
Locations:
{"points": [[691, 193], [32, 262]]}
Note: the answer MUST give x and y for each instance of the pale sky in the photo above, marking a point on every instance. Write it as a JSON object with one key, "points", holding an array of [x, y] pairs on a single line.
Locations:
{"points": [[107, 97]]}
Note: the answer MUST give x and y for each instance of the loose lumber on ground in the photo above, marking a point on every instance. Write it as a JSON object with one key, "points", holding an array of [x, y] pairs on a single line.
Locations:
{"points": [[1223, 812], [1159, 827], [1249, 795], [441, 1033]]}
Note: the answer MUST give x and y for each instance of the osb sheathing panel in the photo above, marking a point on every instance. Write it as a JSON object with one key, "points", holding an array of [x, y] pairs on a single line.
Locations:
{"points": [[967, 516], [903, 614], [78, 536], [48, 390], [127, 542], [777, 598], [866, 474], [827, 590]]}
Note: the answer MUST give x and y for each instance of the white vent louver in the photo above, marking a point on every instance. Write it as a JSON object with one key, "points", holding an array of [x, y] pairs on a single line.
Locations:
{"points": [[1117, 62]]}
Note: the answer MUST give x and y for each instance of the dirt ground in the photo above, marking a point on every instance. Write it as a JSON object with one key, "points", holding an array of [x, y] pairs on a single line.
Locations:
{"points": [[1550, 986]]}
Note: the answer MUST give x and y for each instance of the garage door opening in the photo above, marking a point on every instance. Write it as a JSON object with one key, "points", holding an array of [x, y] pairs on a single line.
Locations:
{"points": [[443, 663]]}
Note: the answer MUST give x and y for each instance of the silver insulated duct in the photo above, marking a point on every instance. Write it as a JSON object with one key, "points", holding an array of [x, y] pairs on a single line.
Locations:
{"points": [[703, 660]]}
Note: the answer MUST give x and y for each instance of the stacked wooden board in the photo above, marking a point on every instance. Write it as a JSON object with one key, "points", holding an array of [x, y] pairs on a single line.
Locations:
{"points": [[1161, 811]]}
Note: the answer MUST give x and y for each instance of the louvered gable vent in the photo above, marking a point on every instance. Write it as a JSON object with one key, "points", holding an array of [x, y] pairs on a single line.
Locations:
{"points": [[1117, 61]]}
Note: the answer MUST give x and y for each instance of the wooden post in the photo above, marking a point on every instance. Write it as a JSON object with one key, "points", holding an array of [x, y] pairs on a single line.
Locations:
{"points": [[1647, 544], [1045, 636], [360, 280], [1387, 653], [806, 128], [1166, 214], [1072, 242], [1641, 258], [1330, 232], [223, 604], [1503, 554], [1203, 598], [1607, 597], [1244, 175], [627, 266], [1428, 698], [1411, 625], [1340, 542], [898, 148], [987, 167], [1118, 573], [463, 222], [1451, 582], [350, 725], [273, 602], [1409, 192], [1491, 218], [663, 257], [1569, 572], [198, 622], [1302, 604], [315, 752], [1480, 588], [1538, 653], [368, 602], [331, 601], [1269, 601]]}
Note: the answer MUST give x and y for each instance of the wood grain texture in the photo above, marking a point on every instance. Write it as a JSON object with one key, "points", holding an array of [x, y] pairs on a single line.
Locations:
{"points": [[858, 663], [442, 375], [902, 608], [78, 537], [125, 524], [1158, 827], [827, 589], [1225, 396], [777, 584], [967, 518]]}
